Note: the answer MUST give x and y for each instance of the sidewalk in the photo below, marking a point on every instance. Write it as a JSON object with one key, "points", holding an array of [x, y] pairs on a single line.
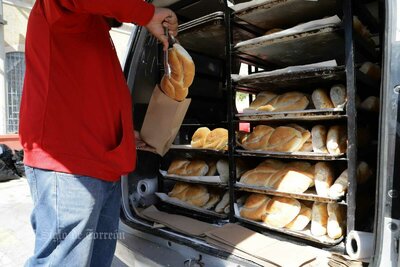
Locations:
{"points": [[16, 234]]}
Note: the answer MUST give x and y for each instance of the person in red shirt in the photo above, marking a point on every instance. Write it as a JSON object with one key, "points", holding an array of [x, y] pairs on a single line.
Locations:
{"points": [[76, 125]]}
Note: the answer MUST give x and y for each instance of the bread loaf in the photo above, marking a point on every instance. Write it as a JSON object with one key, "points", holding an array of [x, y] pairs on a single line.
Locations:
{"points": [[223, 203], [223, 169], [285, 139], [259, 176], [212, 201], [262, 98], [321, 100], [336, 220], [338, 95], [318, 135], [178, 166], [196, 195], [258, 139], [319, 219], [212, 168], [199, 137], [307, 147], [372, 70], [371, 103], [280, 211], [182, 73], [301, 220], [364, 172], [291, 179], [336, 140], [286, 102], [304, 133], [340, 186], [196, 168], [323, 178], [255, 207], [217, 139]]}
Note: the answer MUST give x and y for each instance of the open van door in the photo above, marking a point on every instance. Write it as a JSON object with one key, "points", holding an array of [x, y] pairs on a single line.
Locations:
{"points": [[387, 223]]}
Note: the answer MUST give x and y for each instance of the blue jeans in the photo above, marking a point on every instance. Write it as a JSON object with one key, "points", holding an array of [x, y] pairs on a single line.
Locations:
{"points": [[75, 219]]}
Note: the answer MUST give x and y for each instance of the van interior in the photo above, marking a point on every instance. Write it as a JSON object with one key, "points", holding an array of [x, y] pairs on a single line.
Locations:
{"points": [[324, 56]]}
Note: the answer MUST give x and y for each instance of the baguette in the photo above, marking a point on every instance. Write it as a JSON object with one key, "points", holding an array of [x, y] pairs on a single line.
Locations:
{"points": [[336, 220], [318, 136], [212, 201], [262, 98], [285, 139], [301, 220], [286, 102], [255, 207], [338, 95], [223, 203], [259, 138], [319, 219], [321, 100], [199, 137], [336, 140], [340, 186], [323, 178], [178, 166]]}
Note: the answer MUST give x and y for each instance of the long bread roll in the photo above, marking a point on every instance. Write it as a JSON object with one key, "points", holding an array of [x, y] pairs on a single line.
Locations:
{"points": [[340, 186], [217, 139], [285, 139], [258, 138], [336, 220], [178, 166], [223, 203], [318, 136], [262, 98], [199, 137], [286, 102], [336, 140], [323, 178], [319, 219], [338, 95], [321, 99], [301, 220], [255, 207]]}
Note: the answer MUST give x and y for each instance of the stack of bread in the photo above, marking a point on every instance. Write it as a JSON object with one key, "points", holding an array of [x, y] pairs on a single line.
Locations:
{"points": [[289, 213], [216, 139], [298, 176], [196, 195], [336, 98], [294, 138], [267, 101], [192, 167], [176, 86]]}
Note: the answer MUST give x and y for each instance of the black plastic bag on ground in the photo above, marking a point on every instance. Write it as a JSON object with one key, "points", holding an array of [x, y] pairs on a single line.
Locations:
{"points": [[6, 155], [6, 173], [19, 162]]}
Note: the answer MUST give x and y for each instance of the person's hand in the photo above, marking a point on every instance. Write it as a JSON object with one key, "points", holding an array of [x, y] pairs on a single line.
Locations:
{"points": [[141, 145], [163, 18]]}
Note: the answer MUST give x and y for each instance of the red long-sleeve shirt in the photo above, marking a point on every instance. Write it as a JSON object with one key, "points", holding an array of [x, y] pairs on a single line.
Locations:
{"points": [[76, 112]]}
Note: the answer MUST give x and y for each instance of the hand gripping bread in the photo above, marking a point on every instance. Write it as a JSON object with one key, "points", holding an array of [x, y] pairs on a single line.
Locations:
{"points": [[254, 207], [280, 211], [323, 178], [301, 220], [318, 136], [338, 95], [199, 137], [258, 139], [340, 186], [217, 139], [336, 140], [182, 73], [286, 102], [262, 99], [321, 100], [336, 220], [285, 139], [319, 219]]}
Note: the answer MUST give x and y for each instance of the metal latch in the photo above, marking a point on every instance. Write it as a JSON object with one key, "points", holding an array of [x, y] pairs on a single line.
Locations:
{"points": [[194, 262]]}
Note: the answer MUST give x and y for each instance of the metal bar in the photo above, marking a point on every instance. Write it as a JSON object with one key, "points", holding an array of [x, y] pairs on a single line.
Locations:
{"points": [[351, 113], [231, 104]]}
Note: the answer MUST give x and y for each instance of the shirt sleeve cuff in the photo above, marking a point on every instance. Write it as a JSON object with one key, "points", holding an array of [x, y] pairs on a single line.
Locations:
{"points": [[144, 12]]}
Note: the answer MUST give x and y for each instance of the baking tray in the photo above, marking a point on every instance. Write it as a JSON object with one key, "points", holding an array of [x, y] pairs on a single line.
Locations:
{"points": [[304, 115], [305, 234], [307, 47], [165, 198], [208, 180], [305, 77], [308, 195], [291, 155], [271, 14], [188, 148], [206, 35]]}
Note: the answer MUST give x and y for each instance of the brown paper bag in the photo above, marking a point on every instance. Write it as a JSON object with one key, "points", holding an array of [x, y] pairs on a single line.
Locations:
{"points": [[162, 121]]}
